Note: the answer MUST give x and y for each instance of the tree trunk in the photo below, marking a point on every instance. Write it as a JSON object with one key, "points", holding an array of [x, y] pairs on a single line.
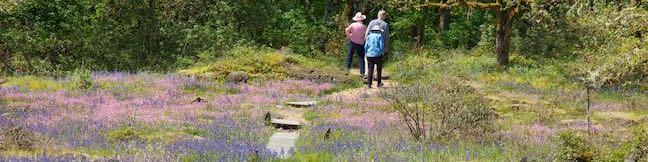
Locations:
{"points": [[637, 3], [343, 20], [591, 5], [151, 33], [444, 18], [503, 29], [589, 105], [418, 31]]}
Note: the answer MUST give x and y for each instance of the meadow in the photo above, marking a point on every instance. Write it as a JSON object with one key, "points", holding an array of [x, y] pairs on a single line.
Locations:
{"points": [[539, 115], [217, 80]]}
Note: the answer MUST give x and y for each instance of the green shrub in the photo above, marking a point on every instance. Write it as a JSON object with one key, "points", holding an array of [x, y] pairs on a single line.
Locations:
{"points": [[81, 79], [446, 109], [124, 134], [195, 131], [639, 150], [264, 64], [575, 146], [245, 59]]}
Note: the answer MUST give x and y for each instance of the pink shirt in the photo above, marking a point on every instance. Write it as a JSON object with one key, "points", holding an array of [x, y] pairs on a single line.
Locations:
{"points": [[356, 32]]}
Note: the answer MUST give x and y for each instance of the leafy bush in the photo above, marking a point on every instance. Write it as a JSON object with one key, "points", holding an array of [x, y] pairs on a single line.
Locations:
{"points": [[255, 62], [617, 49], [575, 146], [639, 151], [81, 80], [445, 109], [264, 63], [124, 134]]}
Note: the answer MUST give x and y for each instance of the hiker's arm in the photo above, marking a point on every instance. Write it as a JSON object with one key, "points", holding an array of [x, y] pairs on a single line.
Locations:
{"points": [[347, 31], [386, 38], [368, 29]]}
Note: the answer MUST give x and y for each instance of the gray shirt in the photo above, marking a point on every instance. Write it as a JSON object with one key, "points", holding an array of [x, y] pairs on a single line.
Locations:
{"points": [[384, 26]]}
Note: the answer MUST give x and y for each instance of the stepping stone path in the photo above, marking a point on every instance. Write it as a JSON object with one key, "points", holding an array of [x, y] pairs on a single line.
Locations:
{"points": [[283, 142], [285, 123], [302, 104], [284, 139]]}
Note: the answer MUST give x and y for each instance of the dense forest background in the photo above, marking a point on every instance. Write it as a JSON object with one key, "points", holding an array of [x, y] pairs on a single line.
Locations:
{"points": [[42, 37]]}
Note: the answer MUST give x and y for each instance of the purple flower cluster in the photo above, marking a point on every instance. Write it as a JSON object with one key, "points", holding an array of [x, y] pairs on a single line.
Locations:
{"points": [[70, 119], [228, 140]]}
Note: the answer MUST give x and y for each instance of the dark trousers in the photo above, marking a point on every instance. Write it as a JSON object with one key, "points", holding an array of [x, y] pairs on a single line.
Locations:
{"points": [[377, 62], [359, 49]]}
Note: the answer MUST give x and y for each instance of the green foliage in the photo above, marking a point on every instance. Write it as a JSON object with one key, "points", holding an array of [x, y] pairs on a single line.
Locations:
{"points": [[575, 146], [354, 83], [619, 51], [124, 134], [154, 35], [310, 157], [640, 144], [195, 131], [34, 83], [265, 64], [81, 79], [257, 63]]}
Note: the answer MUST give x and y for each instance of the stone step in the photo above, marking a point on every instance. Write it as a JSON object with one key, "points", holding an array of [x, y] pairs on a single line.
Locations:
{"points": [[282, 142], [285, 123], [302, 104]]}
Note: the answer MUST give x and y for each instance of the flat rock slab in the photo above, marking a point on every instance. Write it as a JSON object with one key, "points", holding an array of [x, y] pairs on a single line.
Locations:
{"points": [[285, 123], [302, 104], [282, 142]]}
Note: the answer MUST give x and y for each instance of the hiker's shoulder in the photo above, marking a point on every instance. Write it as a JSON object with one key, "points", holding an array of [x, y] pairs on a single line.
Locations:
{"points": [[378, 21]]}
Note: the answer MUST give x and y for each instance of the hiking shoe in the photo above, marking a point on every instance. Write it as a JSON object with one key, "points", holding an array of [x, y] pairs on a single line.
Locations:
{"points": [[380, 85]]}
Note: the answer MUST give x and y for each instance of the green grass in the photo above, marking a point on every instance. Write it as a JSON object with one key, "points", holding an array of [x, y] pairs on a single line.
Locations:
{"points": [[355, 83], [35, 83], [166, 134], [548, 87], [262, 64]]}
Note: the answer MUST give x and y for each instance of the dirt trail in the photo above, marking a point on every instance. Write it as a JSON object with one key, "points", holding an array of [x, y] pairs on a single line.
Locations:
{"points": [[297, 114], [285, 139], [363, 91]]}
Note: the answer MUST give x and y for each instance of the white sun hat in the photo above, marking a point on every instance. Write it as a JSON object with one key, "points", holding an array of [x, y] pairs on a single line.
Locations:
{"points": [[359, 17]]}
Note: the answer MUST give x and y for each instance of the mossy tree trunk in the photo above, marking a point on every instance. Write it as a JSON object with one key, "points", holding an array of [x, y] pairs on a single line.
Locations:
{"points": [[503, 23], [444, 17], [503, 30], [343, 19]]}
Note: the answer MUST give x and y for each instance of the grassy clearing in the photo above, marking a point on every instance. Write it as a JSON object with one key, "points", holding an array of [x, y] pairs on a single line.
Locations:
{"points": [[535, 100], [262, 64]]}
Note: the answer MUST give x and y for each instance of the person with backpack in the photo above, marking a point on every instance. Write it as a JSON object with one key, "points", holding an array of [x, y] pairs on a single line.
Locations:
{"points": [[374, 48]]}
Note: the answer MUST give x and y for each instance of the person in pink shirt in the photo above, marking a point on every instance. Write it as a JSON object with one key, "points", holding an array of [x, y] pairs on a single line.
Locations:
{"points": [[356, 34]]}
